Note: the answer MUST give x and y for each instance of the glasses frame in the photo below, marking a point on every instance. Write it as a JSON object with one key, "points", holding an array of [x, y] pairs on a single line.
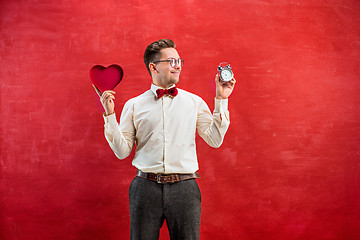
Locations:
{"points": [[173, 62]]}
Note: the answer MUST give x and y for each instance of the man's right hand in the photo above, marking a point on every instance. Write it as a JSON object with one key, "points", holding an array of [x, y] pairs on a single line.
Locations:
{"points": [[107, 99]]}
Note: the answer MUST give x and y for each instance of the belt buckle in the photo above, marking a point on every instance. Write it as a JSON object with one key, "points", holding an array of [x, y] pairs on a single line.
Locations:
{"points": [[158, 178]]}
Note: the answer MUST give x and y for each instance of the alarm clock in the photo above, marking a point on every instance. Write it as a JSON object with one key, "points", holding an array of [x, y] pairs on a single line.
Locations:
{"points": [[225, 72]]}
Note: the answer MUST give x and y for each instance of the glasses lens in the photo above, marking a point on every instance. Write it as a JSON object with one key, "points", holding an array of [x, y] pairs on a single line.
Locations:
{"points": [[174, 62]]}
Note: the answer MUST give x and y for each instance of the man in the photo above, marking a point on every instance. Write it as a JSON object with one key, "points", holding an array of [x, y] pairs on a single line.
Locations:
{"points": [[162, 122]]}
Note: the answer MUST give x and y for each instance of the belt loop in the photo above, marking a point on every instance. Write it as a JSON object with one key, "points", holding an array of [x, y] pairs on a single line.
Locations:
{"points": [[173, 178]]}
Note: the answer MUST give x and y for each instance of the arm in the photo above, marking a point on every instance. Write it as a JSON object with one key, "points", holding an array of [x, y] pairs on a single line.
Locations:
{"points": [[212, 127], [121, 137]]}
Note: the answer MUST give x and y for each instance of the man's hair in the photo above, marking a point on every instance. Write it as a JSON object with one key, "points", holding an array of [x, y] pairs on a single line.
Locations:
{"points": [[152, 52]]}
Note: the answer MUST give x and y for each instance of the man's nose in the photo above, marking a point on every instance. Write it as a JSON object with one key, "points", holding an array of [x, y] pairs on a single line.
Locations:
{"points": [[177, 65]]}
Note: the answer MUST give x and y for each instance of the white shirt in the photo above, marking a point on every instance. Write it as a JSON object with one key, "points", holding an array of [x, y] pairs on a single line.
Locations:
{"points": [[164, 130]]}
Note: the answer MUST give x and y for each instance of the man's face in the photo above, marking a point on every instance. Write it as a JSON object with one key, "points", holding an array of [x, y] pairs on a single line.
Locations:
{"points": [[165, 75]]}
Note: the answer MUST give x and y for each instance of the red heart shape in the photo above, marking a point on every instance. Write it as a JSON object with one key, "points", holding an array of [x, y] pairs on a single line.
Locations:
{"points": [[106, 78]]}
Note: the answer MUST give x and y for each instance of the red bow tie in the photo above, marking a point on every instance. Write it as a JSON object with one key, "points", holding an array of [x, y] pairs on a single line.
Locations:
{"points": [[171, 91]]}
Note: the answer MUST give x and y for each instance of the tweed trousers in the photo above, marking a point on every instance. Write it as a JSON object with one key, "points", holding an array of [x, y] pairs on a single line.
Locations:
{"points": [[151, 203]]}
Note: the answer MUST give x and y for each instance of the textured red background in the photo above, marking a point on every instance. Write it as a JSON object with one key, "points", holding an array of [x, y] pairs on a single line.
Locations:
{"points": [[289, 165]]}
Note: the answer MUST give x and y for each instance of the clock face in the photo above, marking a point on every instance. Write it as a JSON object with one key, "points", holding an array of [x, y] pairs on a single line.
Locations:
{"points": [[226, 75]]}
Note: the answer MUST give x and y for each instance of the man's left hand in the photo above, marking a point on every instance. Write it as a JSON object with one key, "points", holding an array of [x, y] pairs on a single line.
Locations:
{"points": [[224, 89]]}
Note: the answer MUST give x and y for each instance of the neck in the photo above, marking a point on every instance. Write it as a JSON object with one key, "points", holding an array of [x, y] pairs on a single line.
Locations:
{"points": [[162, 86]]}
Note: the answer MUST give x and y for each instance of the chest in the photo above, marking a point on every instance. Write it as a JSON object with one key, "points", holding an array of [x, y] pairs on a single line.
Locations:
{"points": [[165, 112]]}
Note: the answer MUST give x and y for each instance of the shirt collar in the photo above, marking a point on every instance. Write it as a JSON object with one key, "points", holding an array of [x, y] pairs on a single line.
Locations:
{"points": [[154, 88]]}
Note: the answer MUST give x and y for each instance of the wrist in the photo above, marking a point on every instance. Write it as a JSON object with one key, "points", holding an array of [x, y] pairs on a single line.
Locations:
{"points": [[108, 114], [219, 97]]}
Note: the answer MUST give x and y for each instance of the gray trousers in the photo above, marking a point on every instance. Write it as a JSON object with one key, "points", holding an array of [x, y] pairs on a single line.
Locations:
{"points": [[151, 203]]}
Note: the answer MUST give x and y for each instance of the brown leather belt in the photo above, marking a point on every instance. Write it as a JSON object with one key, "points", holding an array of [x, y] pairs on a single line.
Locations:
{"points": [[167, 178]]}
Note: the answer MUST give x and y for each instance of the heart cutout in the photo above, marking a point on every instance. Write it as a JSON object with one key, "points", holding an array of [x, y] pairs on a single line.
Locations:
{"points": [[106, 78]]}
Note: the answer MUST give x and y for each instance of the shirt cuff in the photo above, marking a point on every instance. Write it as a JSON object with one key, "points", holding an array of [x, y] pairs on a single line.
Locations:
{"points": [[110, 120], [221, 105]]}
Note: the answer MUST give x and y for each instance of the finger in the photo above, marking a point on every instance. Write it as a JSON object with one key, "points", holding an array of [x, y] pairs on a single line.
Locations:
{"points": [[108, 97], [232, 82], [217, 78], [105, 95], [107, 92], [97, 91], [107, 101], [220, 82], [111, 97], [227, 84]]}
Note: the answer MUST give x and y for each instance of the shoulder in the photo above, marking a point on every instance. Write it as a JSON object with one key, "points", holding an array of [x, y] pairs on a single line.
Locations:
{"points": [[187, 94], [140, 98], [190, 96]]}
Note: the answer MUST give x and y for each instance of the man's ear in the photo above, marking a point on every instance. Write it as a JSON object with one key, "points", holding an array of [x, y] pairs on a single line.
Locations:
{"points": [[152, 68]]}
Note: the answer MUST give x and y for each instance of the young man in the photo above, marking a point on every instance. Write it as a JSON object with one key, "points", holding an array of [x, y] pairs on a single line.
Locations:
{"points": [[162, 122]]}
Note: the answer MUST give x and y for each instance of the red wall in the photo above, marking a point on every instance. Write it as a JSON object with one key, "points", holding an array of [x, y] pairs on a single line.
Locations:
{"points": [[289, 165]]}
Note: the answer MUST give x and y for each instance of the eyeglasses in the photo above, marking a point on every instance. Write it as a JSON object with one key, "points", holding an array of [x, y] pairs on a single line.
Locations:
{"points": [[173, 62]]}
